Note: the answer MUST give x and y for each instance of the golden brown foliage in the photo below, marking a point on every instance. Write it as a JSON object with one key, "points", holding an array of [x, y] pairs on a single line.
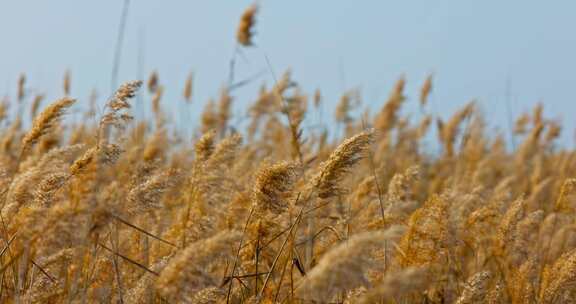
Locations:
{"points": [[275, 206], [110, 211]]}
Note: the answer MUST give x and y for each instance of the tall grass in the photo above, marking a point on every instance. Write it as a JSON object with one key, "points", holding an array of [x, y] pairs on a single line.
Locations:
{"points": [[119, 210]]}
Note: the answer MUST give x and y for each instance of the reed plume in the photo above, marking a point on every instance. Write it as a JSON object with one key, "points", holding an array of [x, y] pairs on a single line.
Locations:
{"points": [[255, 207], [204, 147], [188, 272], [425, 91], [47, 188], [115, 106], [188, 88], [46, 120], [146, 196], [339, 163], [558, 279], [245, 31], [82, 162], [476, 288], [66, 83], [21, 87], [36, 105], [388, 116], [225, 151], [344, 266], [273, 185], [398, 284], [4, 105], [153, 82]]}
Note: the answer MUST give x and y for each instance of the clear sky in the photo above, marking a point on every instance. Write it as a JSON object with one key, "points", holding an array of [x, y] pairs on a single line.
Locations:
{"points": [[473, 48]]}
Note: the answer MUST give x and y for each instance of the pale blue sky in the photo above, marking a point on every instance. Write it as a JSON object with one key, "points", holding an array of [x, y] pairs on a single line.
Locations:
{"points": [[472, 48]]}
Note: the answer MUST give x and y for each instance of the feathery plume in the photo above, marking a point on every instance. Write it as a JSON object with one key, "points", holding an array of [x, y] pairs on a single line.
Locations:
{"points": [[155, 146], [146, 196], [451, 129], [47, 188], [317, 98], [399, 187], [114, 116], [204, 147], [526, 231], [273, 184], [554, 130], [145, 284], [225, 151], [188, 88], [344, 266], [109, 153], [21, 87], [189, 271], [45, 121], [341, 161], [507, 227], [566, 195], [158, 92], [475, 289], [35, 105], [66, 83], [4, 109], [209, 295], [153, 82], [343, 109], [126, 91], [388, 116], [558, 279], [397, 284], [521, 124], [245, 31], [423, 127], [83, 161], [425, 90]]}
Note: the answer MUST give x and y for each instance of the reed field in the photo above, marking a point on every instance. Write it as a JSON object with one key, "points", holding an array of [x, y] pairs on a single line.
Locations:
{"points": [[374, 207]]}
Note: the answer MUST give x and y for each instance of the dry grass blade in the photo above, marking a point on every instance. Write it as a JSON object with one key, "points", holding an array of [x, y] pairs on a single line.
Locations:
{"points": [[145, 232], [11, 261], [7, 245], [279, 253], [238, 253], [129, 260]]}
